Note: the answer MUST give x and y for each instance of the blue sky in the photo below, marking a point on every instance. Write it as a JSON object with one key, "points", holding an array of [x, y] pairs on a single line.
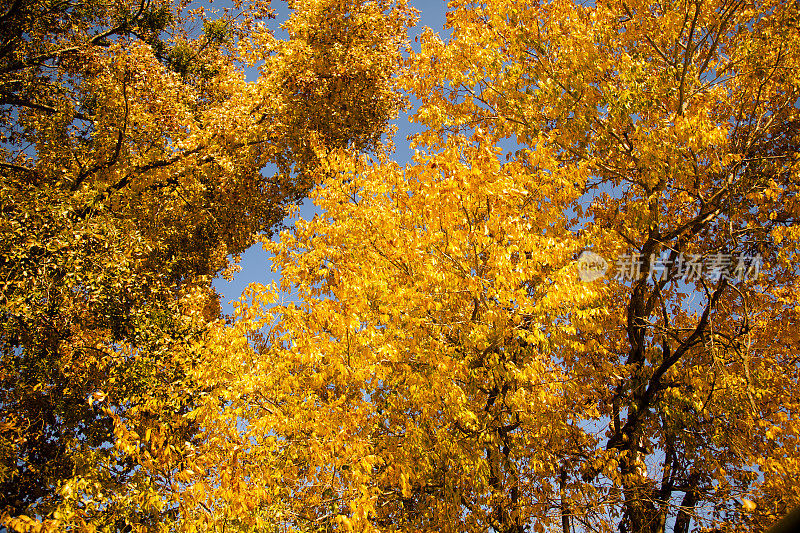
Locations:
{"points": [[256, 264]]}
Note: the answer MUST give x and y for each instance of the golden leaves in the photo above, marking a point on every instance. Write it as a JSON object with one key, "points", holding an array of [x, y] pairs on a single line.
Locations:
{"points": [[431, 359], [441, 326], [146, 176]]}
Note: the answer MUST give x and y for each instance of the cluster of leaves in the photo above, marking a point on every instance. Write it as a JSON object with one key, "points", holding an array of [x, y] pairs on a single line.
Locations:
{"points": [[131, 152], [444, 368]]}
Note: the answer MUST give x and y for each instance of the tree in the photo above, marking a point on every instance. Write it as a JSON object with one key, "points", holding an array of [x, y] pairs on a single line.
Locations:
{"points": [[449, 363], [132, 155]]}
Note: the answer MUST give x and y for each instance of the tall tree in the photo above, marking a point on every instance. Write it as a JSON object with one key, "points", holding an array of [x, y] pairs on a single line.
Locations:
{"points": [[132, 154], [451, 364]]}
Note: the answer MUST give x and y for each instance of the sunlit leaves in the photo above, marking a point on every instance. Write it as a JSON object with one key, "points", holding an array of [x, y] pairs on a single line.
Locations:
{"points": [[430, 359], [444, 368], [132, 157]]}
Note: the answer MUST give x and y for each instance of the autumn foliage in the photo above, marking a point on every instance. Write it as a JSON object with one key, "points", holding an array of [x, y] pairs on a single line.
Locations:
{"points": [[133, 156], [433, 357]]}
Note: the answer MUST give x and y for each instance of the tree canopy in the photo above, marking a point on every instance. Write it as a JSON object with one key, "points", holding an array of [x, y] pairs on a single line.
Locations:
{"points": [[134, 157], [574, 309]]}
